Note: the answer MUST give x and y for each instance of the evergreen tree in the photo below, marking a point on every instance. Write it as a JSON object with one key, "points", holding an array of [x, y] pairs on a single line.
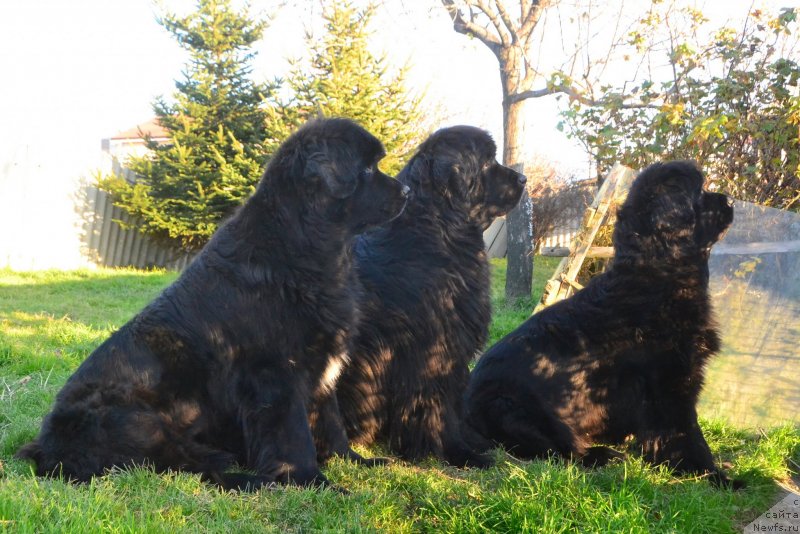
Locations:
{"points": [[344, 79], [217, 128]]}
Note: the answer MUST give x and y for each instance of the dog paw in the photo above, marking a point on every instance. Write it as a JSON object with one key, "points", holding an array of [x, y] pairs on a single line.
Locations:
{"points": [[721, 480], [240, 481], [599, 456], [353, 456], [468, 458]]}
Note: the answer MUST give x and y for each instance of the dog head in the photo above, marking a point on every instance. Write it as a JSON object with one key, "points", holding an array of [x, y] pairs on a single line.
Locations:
{"points": [[95, 427], [56, 458], [74, 443], [458, 165], [329, 168], [669, 216]]}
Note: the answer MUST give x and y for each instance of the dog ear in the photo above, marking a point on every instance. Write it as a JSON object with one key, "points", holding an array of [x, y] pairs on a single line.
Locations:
{"points": [[672, 213], [341, 179], [31, 451], [441, 172]]}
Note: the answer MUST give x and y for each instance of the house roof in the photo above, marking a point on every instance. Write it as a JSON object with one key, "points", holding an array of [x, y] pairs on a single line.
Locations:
{"points": [[140, 131]]}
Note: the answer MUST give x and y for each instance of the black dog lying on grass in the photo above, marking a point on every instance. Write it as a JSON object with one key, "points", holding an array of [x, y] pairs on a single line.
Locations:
{"points": [[426, 305], [626, 354], [221, 366]]}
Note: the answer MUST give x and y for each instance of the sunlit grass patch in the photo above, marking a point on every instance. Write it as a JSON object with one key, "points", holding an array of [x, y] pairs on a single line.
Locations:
{"points": [[50, 321]]}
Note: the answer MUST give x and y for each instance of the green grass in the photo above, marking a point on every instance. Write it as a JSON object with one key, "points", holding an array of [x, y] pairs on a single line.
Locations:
{"points": [[507, 316], [50, 321]]}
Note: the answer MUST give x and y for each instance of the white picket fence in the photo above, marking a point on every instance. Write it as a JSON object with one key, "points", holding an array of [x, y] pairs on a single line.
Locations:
{"points": [[559, 238]]}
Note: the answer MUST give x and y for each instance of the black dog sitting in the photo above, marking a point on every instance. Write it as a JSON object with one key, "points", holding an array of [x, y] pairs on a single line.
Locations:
{"points": [[221, 366], [626, 354], [426, 304]]}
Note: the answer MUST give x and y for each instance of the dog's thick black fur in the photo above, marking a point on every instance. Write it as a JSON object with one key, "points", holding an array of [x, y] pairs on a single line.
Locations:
{"points": [[426, 304], [625, 355], [221, 366]]}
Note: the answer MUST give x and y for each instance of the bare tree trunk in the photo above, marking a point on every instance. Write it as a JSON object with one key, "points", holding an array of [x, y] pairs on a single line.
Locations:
{"points": [[519, 225], [519, 269]]}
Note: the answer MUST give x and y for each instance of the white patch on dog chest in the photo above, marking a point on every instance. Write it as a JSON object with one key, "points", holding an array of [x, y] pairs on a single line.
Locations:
{"points": [[333, 370]]}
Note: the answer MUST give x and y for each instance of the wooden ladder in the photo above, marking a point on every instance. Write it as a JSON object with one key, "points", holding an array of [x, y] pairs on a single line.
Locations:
{"points": [[563, 282]]}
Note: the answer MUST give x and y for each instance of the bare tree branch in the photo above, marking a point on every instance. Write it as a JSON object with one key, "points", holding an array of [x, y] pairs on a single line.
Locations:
{"points": [[524, 8], [532, 16], [615, 38], [469, 27], [504, 16], [581, 97], [536, 17], [531, 67], [505, 39], [531, 93]]}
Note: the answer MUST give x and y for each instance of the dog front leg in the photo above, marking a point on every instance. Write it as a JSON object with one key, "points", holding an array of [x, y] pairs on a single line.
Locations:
{"points": [[330, 437], [277, 437], [457, 451], [428, 425], [683, 447]]}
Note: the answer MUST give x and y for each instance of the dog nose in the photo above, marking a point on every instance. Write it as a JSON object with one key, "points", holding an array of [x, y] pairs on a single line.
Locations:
{"points": [[406, 190], [522, 179]]}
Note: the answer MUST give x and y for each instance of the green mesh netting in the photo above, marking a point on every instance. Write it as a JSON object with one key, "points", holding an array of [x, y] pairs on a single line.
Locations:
{"points": [[755, 288]]}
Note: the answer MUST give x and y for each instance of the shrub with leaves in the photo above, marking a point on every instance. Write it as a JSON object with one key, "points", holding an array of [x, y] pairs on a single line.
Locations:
{"points": [[730, 101]]}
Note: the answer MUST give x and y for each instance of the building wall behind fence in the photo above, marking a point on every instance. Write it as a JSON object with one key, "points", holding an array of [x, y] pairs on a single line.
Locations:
{"points": [[40, 225], [53, 217]]}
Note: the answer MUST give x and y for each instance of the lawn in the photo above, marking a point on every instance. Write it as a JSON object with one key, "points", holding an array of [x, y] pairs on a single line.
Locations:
{"points": [[50, 321]]}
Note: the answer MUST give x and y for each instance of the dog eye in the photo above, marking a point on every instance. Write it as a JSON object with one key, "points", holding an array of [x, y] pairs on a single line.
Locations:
{"points": [[486, 166], [369, 171]]}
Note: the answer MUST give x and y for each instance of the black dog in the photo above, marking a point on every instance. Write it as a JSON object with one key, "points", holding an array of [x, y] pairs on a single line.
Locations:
{"points": [[426, 305], [221, 366], [625, 355]]}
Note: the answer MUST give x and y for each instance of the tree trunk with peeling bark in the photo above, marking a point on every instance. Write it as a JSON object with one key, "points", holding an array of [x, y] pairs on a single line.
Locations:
{"points": [[519, 269]]}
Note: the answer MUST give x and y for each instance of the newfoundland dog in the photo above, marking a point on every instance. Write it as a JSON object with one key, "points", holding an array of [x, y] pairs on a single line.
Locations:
{"points": [[221, 366], [625, 355], [426, 304]]}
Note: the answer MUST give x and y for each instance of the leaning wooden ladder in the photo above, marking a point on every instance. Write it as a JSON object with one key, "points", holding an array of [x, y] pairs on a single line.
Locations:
{"points": [[563, 283]]}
